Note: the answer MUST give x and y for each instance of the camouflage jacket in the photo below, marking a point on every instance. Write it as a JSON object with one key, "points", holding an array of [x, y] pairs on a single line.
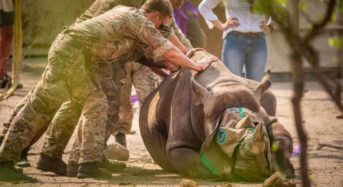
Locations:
{"points": [[101, 6], [117, 34]]}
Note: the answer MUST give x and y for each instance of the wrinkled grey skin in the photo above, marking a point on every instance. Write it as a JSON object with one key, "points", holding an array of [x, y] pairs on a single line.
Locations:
{"points": [[177, 117]]}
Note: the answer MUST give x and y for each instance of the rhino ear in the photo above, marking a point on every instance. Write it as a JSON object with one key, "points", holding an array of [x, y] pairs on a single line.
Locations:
{"points": [[200, 93]]}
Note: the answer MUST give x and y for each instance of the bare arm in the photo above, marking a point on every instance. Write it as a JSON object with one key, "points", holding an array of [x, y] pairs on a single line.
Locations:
{"points": [[160, 71], [233, 22], [206, 10], [177, 43], [175, 57]]}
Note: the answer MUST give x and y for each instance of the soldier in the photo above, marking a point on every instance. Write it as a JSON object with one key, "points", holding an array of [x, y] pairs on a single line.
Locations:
{"points": [[51, 153], [53, 148], [70, 76], [64, 121], [144, 81], [67, 111]]}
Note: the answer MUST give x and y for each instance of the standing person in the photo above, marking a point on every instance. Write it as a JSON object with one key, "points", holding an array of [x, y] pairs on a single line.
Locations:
{"points": [[244, 36], [6, 33], [70, 76]]}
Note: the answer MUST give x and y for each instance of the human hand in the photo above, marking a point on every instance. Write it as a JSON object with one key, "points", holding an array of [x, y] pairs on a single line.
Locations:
{"points": [[231, 23], [265, 27], [171, 67], [204, 63]]}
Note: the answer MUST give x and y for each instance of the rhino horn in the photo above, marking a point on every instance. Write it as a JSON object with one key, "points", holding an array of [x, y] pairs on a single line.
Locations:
{"points": [[200, 93]]}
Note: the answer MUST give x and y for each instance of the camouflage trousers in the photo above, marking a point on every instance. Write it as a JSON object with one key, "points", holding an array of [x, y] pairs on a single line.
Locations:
{"points": [[59, 133], [56, 87], [144, 81], [124, 75], [17, 108]]}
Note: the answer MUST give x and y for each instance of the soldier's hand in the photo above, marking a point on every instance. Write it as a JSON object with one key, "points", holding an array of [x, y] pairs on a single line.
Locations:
{"points": [[206, 62]]}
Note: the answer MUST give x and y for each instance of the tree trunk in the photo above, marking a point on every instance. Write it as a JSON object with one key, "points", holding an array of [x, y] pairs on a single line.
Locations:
{"points": [[298, 89]]}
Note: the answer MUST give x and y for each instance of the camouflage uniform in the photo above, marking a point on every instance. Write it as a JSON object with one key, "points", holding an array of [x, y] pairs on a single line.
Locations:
{"points": [[144, 81], [111, 36], [64, 122], [53, 146], [118, 71]]}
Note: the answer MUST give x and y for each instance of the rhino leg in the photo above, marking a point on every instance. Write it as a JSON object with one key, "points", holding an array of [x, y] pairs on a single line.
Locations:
{"points": [[282, 147], [263, 85], [187, 163], [264, 95], [268, 102]]}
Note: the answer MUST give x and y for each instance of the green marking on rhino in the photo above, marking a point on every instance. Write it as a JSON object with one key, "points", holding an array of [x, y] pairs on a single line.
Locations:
{"points": [[241, 112], [221, 136], [208, 164]]}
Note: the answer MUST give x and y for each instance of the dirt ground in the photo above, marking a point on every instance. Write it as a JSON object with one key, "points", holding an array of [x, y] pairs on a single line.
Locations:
{"points": [[326, 163]]}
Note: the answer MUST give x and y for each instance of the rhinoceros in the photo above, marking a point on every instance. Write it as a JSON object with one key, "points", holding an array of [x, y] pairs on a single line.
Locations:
{"points": [[183, 120]]}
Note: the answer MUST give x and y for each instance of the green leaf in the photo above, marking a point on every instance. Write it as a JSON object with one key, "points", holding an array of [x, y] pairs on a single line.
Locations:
{"points": [[282, 2], [302, 6], [336, 42]]}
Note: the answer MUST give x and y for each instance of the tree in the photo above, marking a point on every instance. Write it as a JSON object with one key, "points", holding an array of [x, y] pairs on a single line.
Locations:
{"points": [[286, 14]]}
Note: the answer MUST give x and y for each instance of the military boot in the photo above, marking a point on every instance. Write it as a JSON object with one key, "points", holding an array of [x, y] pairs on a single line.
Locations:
{"points": [[55, 165], [23, 159], [120, 138], [8, 173], [112, 165], [72, 169], [92, 170]]}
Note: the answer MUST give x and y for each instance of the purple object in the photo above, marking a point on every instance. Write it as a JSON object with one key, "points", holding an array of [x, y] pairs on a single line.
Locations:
{"points": [[181, 15], [134, 99], [296, 151]]}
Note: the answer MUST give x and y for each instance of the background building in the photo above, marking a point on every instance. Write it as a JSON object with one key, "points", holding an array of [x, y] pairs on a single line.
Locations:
{"points": [[43, 20]]}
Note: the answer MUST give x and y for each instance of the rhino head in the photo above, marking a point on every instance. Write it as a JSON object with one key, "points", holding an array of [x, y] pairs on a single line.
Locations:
{"points": [[210, 103]]}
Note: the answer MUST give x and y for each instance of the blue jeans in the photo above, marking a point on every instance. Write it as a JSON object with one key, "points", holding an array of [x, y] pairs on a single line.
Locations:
{"points": [[244, 50]]}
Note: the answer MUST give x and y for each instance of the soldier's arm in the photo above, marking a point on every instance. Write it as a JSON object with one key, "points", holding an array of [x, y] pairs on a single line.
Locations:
{"points": [[145, 31], [151, 63], [175, 57], [160, 71], [169, 33], [176, 42], [181, 37]]}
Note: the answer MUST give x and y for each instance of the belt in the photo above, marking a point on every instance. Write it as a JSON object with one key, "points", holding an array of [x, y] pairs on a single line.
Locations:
{"points": [[247, 34]]}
